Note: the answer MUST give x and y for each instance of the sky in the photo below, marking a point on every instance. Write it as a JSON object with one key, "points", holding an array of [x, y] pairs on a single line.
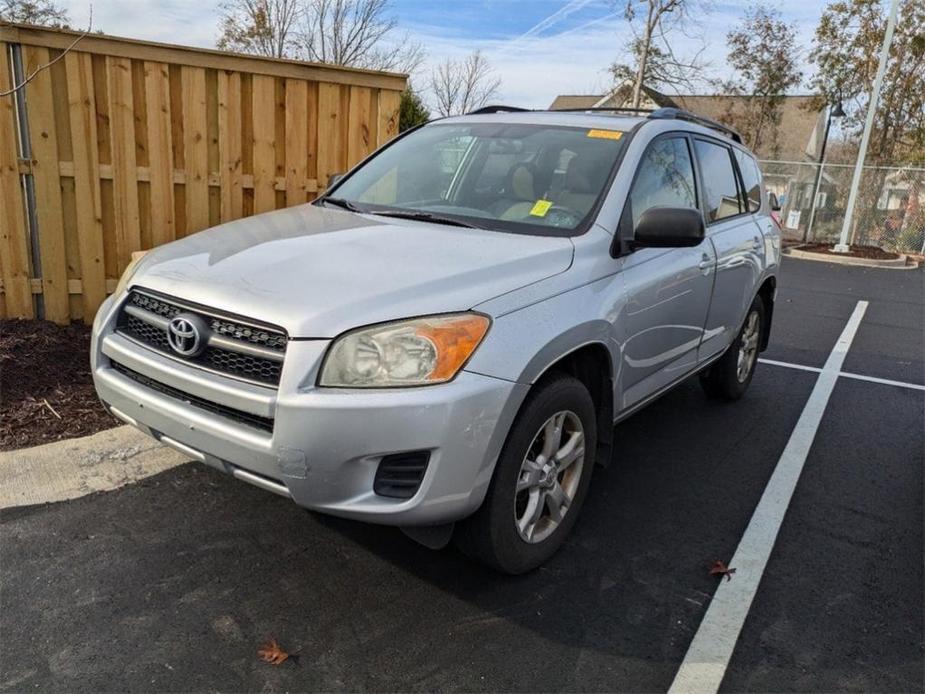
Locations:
{"points": [[539, 48]]}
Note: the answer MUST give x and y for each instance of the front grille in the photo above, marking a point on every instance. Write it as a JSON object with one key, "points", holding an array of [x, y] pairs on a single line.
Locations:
{"points": [[237, 348], [251, 420], [399, 475]]}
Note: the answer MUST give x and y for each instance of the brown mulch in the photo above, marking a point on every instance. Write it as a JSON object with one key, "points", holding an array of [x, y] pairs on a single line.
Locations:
{"points": [[871, 252], [46, 392]]}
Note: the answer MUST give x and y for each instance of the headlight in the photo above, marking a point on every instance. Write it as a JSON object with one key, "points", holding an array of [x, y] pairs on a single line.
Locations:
{"points": [[129, 272], [420, 351]]}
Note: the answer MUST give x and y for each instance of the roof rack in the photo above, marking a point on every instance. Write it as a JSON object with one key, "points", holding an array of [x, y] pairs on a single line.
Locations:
{"points": [[497, 109], [603, 109], [663, 113], [681, 114]]}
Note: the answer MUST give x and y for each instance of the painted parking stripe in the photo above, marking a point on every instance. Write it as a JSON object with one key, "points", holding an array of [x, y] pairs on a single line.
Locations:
{"points": [[882, 381], [708, 657], [846, 374], [788, 365]]}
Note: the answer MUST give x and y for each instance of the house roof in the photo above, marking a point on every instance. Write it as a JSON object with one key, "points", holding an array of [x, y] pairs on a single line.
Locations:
{"points": [[565, 101]]}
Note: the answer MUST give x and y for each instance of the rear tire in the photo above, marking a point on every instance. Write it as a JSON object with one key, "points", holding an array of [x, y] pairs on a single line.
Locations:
{"points": [[729, 376], [540, 481]]}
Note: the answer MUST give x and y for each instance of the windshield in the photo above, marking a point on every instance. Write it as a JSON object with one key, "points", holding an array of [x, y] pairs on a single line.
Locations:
{"points": [[527, 178]]}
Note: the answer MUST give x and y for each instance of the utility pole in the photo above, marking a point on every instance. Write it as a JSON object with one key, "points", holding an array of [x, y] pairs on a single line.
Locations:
{"points": [[842, 245]]}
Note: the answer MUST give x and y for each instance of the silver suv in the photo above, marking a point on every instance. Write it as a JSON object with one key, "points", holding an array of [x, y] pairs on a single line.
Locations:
{"points": [[444, 340]]}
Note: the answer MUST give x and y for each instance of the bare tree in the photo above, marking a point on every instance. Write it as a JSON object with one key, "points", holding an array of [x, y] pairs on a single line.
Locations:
{"points": [[39, 12], [356, 33], [463, 86], [264, 27], [763, 52], [654, 61]]}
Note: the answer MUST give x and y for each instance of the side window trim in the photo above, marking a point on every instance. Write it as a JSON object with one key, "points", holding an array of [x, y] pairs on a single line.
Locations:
{"points": [[735, 170]]}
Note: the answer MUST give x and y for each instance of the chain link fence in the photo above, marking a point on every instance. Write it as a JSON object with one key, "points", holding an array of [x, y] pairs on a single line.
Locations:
{"points": [[890, 210]]}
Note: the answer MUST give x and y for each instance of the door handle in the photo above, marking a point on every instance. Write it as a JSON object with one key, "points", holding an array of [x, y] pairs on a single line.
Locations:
{"points": [[756, 243], [706, 264]]}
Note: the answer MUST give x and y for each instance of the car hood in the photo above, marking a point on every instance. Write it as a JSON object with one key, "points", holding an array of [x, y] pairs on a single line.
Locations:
{"points": [[317, 272]]}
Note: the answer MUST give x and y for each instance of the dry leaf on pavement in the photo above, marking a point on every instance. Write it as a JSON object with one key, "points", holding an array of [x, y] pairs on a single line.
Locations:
{"points": [[720, 569], [270, 652]]}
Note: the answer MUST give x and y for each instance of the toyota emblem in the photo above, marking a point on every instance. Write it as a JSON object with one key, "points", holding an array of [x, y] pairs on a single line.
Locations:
{"points": [[186, 335]]}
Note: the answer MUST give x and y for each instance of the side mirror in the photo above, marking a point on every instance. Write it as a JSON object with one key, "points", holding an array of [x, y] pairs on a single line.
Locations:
{"points": [[334, 179], [668, 227], [773, 202]]}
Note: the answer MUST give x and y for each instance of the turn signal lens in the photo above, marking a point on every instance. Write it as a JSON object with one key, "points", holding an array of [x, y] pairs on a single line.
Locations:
{"points": [[420, 351]]}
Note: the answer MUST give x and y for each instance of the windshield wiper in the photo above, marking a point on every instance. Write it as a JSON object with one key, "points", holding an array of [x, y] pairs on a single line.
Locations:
{"points": [[422, 216], [340, 202]]}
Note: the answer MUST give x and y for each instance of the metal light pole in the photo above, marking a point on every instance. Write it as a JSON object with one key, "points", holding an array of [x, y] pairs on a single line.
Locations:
{"points": [[836, 112], [842, 245]]}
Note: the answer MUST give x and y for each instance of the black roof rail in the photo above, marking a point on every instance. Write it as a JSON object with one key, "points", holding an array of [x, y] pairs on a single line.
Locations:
{"points": [[681, 114], [497, 109], [602, 109]]}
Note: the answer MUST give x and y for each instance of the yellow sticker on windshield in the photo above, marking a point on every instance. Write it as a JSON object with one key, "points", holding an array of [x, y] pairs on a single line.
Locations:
{"points": [[541, 208], [606, 134]]}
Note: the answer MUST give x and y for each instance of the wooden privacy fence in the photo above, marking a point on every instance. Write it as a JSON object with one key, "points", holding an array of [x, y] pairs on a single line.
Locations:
{"points": [[123, 145]]}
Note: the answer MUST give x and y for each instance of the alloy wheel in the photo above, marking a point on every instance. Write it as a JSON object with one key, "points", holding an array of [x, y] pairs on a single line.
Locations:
{"points": [[549, 476], [748, 347]]}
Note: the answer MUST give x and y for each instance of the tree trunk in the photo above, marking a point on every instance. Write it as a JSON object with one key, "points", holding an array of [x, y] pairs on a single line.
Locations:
{"points": [[643, 60]]}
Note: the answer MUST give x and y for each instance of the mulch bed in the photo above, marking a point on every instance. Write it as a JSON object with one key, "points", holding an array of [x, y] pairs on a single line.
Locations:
{"points": [[871, 252], [46, 392]]}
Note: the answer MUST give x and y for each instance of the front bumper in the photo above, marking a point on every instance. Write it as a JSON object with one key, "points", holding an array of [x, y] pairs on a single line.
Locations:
{"points": [[325, 444]]}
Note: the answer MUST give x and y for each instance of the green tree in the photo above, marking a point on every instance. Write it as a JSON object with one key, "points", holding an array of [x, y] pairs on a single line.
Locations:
{"points": [[846, 49], [40, 12], [763, 54], [413, 111]]}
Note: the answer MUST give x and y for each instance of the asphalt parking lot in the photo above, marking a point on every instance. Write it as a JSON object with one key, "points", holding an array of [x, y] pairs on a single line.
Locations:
{"points": [[171, 584]]}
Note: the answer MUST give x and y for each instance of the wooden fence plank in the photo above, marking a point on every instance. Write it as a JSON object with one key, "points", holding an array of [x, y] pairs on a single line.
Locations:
{"points": [[196, 148], [264, 110], [124, 162], [14, 235], [89, 208], [160, 152], [296, 142], [361, 125], [229, 145], [331, 127], [48, 203], [389, 112]]}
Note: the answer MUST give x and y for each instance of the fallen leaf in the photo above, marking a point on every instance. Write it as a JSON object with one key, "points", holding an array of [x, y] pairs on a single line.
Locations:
{"points": [[720, 569], [270, 652]]}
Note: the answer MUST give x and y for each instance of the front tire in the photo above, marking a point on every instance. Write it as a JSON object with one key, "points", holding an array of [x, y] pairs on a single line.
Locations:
{"points": [[540, 481], [728, 377]]}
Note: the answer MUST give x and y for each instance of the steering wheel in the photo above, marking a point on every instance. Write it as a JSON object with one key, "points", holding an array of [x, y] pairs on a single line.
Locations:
{"points": [[557, 216]]}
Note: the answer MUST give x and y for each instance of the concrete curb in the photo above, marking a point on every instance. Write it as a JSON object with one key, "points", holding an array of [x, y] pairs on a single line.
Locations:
{"points": [[76, 467], [901, 263]]}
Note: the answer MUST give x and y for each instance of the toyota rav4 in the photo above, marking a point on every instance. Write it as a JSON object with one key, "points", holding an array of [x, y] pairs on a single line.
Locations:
{"points": [[444, 340]]}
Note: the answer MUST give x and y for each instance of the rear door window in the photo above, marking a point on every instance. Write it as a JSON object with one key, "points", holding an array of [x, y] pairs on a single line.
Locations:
{"points": [[720, 188]]}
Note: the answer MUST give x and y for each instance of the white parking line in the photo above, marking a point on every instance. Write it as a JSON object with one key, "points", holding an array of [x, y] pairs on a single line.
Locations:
{"points": [[708, 657], [882, 381], [845, 374]]}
